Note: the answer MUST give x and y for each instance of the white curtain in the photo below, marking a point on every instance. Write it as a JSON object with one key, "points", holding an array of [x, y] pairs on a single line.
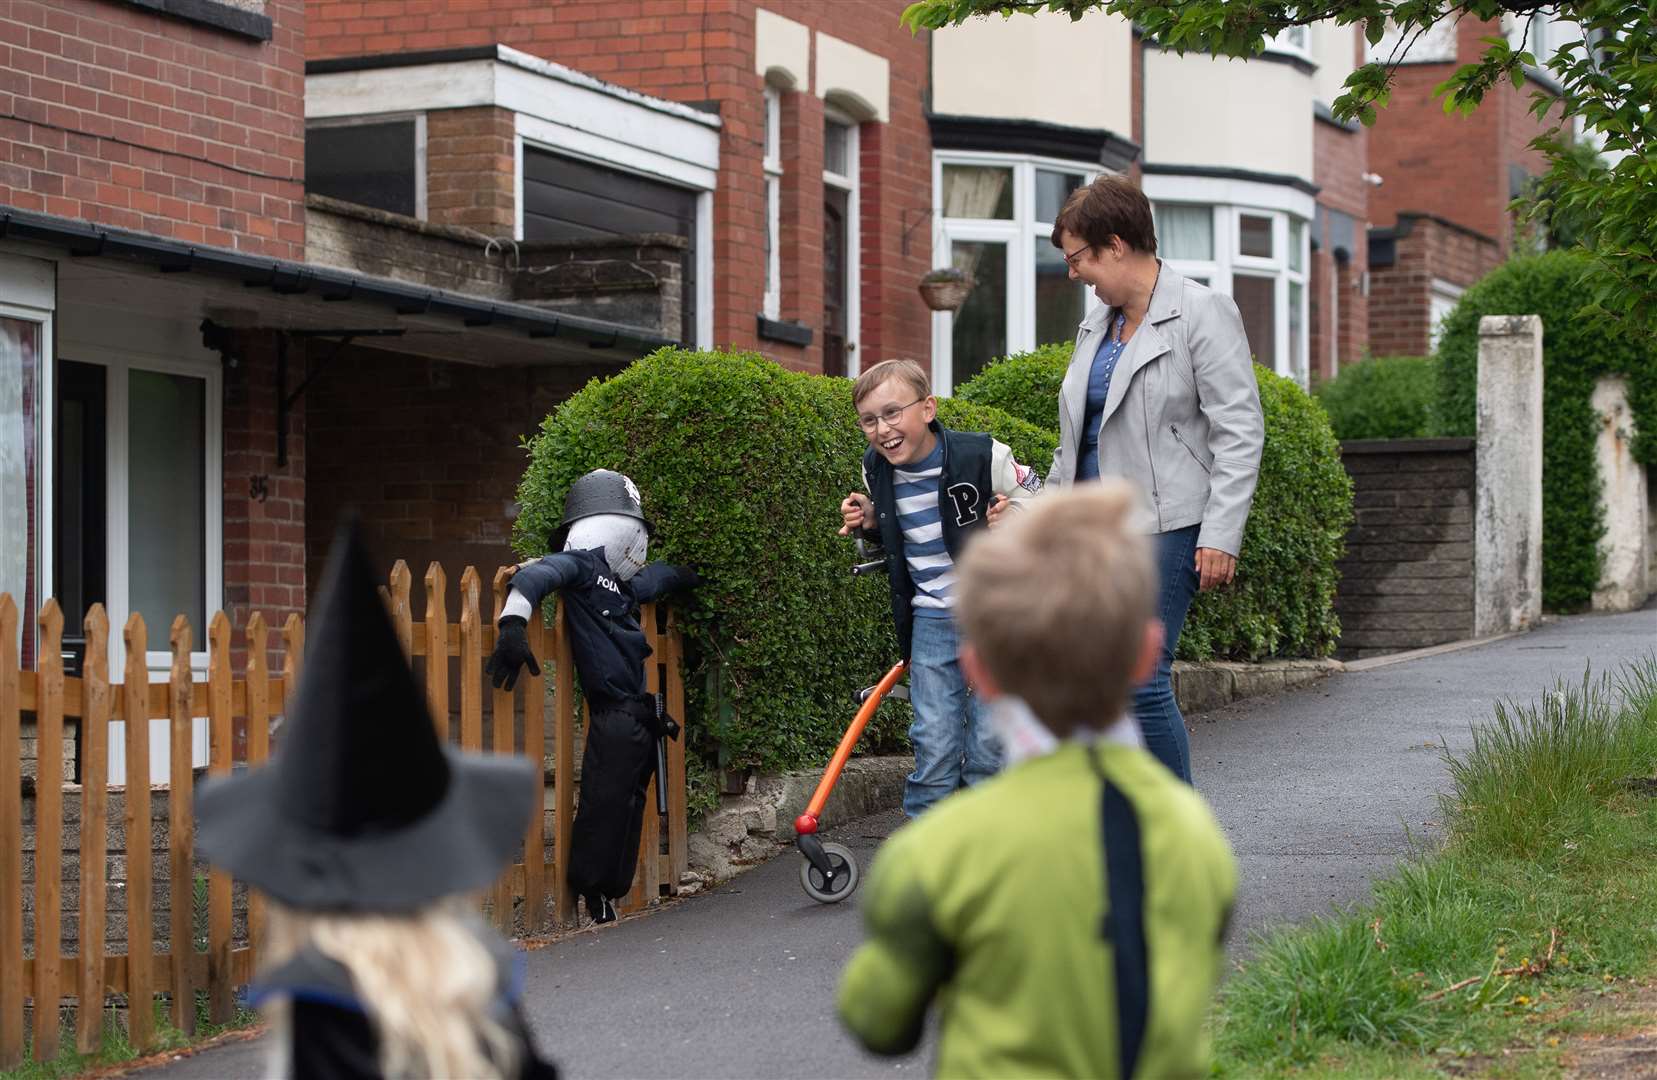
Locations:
{"points": [[19, 342], [972, 191], [1185, 232]]}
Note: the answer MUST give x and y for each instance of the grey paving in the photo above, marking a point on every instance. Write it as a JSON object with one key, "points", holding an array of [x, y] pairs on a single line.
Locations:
{"points": [[1319, 790]]}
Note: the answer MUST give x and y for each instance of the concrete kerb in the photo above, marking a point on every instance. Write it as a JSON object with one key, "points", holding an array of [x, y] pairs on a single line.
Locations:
{"points": [[748, 829]]}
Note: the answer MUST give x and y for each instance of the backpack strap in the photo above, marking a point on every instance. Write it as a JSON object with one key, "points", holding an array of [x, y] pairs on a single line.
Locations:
{"points": [[1124, 922]]}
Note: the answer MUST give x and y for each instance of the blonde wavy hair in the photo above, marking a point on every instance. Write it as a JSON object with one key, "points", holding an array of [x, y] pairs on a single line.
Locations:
{"points": [[426, 980]]}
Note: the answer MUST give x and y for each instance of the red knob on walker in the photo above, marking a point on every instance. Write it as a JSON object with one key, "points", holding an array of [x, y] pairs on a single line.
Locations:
{"points": [[805, 824]]}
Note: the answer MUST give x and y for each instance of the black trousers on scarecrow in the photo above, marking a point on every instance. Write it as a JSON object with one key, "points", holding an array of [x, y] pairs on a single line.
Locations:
{"points": [[616, 767]]}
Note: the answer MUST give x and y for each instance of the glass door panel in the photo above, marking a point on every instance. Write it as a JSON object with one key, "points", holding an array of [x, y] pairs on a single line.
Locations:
{"points": [[979, 331], [166, 503]]}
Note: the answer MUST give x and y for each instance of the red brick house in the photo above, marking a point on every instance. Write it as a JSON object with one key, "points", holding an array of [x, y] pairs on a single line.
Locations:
{"points": [[1440, 218]]}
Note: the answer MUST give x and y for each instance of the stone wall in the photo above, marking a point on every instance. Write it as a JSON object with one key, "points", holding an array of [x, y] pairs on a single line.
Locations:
{"points": [[1407, 579]]}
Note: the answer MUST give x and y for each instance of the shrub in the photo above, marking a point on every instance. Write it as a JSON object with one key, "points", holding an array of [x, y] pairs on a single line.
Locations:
{"points": [[1025, 384], [742, 466], [1283, 601], [1578, 351], [1384, 398]]}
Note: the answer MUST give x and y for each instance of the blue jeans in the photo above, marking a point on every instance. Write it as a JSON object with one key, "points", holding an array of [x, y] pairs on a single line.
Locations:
{"points": [[954, 745], [1153, 701]]}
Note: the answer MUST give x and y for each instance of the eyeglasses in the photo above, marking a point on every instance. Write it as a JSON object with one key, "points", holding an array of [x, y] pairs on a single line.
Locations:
{"points": [[1070, 257], [890, 414]]}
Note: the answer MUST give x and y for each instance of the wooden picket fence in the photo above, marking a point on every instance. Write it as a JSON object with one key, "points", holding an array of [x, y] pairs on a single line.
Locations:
{"points": [[530, 897]]}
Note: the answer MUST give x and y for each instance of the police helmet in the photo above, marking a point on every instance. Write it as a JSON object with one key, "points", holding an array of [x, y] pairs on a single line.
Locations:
{"points": [[602, 491]]}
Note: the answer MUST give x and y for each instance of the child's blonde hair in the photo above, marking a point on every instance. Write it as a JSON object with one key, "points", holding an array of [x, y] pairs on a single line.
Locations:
{"points": [[1056, 601], [427, 981], [906, 371]]}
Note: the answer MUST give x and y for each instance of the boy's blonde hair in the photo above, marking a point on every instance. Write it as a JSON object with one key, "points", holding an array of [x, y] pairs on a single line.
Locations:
{"points": [[905, 370], [1056, 600]]}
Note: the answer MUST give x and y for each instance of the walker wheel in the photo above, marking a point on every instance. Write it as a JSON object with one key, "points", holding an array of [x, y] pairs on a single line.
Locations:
{"points": [[826, 890]]}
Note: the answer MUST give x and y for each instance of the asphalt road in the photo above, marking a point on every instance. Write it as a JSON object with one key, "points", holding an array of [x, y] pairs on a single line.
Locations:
{"points": [[1320, 790]]}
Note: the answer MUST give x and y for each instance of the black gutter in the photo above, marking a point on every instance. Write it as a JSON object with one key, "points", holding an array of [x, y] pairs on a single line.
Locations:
{"points": [[288, 277]]}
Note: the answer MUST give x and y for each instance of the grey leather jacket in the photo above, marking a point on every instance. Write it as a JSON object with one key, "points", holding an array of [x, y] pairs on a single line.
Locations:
{"points": [[1182, 419]]}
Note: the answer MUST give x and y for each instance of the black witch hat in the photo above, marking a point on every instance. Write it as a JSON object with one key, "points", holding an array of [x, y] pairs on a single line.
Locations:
{"points": [[363, 809]]}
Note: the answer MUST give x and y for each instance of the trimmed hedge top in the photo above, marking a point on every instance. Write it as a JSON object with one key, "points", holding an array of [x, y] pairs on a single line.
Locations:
{"points": [[1388, 397], [1025, 384], [1578, 352]]}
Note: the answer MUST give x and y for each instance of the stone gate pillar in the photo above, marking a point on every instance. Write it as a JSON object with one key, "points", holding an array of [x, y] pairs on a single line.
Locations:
{"points": [[1507, 520]]}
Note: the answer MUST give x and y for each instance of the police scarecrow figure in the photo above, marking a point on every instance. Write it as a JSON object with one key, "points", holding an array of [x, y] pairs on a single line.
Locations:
{"points": [[364, 832], [602, 577]]}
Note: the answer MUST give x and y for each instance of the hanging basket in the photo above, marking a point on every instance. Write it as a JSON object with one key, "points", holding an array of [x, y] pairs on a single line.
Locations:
{"points": [[946, 290]]}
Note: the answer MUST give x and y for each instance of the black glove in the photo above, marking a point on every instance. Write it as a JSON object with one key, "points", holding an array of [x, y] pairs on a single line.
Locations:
{"points": [[511, 653]]}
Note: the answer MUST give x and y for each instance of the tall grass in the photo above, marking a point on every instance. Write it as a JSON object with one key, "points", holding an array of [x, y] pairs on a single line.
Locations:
{"points": [[1545, 837]]}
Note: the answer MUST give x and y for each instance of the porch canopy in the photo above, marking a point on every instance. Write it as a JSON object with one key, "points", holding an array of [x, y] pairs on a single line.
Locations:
{"points": [[237, 291]]}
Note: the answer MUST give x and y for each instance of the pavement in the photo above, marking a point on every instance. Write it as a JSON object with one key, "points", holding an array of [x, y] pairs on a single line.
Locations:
{"points": [[1320, 790]]}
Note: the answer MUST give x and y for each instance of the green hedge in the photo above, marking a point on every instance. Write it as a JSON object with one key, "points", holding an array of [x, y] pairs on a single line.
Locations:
{"points": [[1283, 603], [1389, 397], [743, 466], [1578, 350], [1025, 384]]}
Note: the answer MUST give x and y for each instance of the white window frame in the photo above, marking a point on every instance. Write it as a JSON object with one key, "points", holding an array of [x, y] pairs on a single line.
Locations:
{"points": [[419, 119], [848, 182], [1229, 262], [1280, 44], [1021, 233], [1441, 300], [42, 311], [772, 165]]}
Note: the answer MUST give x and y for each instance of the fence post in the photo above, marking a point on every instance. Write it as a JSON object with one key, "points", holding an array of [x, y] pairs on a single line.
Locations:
{"points": [[218, 882], [1507, 529], [500, 711], [135, 710], [11, 840], [95, 702], [402, 617], [48, 832], [563, 762], [293, 658], [437, 648], [471, 660], [181, 832], [678, 837], [258, 737]]}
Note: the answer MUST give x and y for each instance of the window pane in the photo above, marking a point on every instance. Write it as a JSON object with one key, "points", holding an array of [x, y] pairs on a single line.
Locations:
{"points": [[1297, 332], [167, 513], [1257, 300], [980, 331], [368, 164], [1254, 235], [978, 191], [1297, 239], [1185, 232], [1052, 189], [1060, 302], [834, 149], [19, 359], [773, 121]]}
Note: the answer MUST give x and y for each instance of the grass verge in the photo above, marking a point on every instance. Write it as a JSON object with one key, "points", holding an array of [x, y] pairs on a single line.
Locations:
{"points": [[115, 1048], [1484, 951]]}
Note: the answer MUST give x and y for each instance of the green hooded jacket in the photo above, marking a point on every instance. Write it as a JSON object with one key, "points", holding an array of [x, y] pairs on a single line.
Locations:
{"points": [[994, 903]]}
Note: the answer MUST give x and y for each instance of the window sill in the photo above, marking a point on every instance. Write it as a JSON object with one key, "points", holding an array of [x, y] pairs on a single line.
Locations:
{"points": [[788, 333], [234, 20]]}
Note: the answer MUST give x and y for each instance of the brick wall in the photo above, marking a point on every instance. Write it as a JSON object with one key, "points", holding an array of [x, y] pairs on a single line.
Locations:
{"points": [[702, 53], [1446, 164], [1407, 579], [115, 115], [264, 504], [427, 453], [469, 163], [1400, 299], [1341, 158]]}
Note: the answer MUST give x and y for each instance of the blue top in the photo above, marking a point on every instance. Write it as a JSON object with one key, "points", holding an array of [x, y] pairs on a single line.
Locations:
{"points": [[930, 567], [1098, 389]]}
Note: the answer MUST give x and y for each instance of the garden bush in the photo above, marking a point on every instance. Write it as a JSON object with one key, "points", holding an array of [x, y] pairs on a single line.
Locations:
{"points": [[1388, 397], [1282, 604], [1024, 384], [742, 466], [1578, 350]]}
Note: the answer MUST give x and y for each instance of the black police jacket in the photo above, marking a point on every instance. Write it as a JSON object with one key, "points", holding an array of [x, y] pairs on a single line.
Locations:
{"points": [[964, 489], [602, 614]]}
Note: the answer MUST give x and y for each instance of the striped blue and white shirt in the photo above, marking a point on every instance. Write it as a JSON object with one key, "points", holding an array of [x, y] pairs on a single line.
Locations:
{"points": [[915, 488]]}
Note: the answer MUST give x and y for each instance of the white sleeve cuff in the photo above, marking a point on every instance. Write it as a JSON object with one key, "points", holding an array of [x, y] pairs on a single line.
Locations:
{"points": [[517, 604]]}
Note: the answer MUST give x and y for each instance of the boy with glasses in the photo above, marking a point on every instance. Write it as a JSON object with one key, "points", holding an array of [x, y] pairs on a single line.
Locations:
{"points": [[929, 489]]}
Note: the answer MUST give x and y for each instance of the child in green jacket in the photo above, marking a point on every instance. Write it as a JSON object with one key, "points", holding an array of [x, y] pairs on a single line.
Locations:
{"points": [[1067, 916]]}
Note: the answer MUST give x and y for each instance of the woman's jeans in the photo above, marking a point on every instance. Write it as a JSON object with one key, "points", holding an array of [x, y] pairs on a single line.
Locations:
{"points": [[1153, 701], [952, 736]]}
